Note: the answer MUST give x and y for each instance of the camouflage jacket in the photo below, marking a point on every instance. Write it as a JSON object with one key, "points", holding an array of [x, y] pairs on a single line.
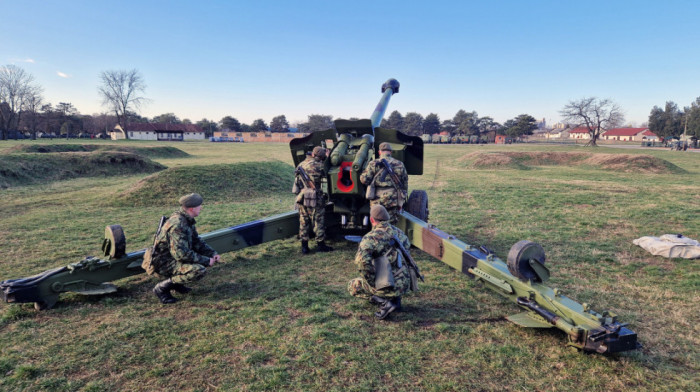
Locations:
{"points": [[178, 241], [315, 170], [376, 244], [383, 179]]}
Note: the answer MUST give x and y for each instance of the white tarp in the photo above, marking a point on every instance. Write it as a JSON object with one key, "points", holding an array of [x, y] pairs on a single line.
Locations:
{"points": [[670, 245]]}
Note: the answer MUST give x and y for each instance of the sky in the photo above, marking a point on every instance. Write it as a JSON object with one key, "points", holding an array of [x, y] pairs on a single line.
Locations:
{"points": [[260, 59]]}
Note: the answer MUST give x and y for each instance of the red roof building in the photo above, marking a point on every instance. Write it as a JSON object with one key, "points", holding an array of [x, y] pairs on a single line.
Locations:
{"points": [[579, 133]]}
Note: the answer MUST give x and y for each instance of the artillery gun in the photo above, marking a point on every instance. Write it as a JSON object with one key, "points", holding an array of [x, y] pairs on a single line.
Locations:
{"points": [[521, 278]]}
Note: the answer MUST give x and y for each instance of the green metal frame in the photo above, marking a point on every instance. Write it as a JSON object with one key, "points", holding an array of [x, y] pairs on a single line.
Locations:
{"points": [[544, 307]]}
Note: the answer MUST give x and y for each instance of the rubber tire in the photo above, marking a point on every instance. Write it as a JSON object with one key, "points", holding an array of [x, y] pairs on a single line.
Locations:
{"points": [[115, 242], [417, 205], [519, 259]]}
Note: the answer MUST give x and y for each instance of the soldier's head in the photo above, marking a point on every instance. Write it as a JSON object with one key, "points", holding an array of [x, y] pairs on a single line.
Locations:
{"points": [[385, 148], [378, 214], [319, 153], [192, 204]]}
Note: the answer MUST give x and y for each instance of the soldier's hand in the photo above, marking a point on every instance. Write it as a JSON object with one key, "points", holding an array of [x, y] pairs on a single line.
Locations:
{"points": [[213, 260]]}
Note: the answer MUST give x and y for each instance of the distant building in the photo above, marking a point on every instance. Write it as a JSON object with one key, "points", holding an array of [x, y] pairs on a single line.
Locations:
{"points": [[259, 136], [542, 124], [158, 131], [579, 133], [630, 134], [557, 134]]}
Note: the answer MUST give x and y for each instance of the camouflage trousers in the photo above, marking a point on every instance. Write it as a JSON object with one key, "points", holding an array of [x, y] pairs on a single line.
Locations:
{"points": [[361, 288], [312, 218], [183, 273], [393, 211]]}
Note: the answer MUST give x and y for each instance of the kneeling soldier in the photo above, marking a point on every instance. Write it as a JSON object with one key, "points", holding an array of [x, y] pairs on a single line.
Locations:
{"points": [[179, 254], [385, 277]]}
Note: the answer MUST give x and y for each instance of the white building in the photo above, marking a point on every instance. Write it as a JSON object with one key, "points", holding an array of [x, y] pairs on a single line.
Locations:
{"points": [[158, 131]]}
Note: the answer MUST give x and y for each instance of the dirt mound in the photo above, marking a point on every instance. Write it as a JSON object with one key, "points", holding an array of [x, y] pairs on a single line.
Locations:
{"points": [[27, 169], [526, 160], [632, 163], [222, 182], [491, 160], [150, 152], [545, 158]]}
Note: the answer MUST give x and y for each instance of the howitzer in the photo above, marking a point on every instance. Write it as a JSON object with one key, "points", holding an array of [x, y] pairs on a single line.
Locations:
{"points": [[354, 144]]}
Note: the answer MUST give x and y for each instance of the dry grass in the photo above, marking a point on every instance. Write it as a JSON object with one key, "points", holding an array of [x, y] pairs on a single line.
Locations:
{"points": [[268, 319]]}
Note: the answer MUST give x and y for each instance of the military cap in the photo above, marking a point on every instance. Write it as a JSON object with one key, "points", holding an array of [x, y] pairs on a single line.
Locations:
{"points": [[385, 147], [319, 151], [379, 213], [191, 200]]}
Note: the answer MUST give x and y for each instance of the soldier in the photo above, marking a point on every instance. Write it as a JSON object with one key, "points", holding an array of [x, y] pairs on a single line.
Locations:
{"points": [[388, 192], [374, 245], [310, 202], [179, 254]]}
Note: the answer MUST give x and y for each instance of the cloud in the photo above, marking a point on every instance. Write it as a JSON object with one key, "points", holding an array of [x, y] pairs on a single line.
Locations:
{"points": [[27, 60], [63, 75]]}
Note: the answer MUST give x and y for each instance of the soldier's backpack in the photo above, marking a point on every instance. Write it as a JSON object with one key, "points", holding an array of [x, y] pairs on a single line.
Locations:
{"points": [[148, 260]]}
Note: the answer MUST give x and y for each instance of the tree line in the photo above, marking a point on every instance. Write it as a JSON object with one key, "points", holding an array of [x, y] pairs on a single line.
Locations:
{"points": [[463, 123], [673, 122], [22, 108]]}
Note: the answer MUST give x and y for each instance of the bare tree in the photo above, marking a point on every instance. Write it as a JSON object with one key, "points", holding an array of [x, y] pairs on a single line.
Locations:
{"points": [[16, 86], [120, 91], [597, 115], [101, 123], [33, 102]]}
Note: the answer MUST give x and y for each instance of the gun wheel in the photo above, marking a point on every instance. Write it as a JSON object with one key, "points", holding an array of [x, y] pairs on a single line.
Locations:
{"points": [[114, 244], [417, 205], [519, 259]]}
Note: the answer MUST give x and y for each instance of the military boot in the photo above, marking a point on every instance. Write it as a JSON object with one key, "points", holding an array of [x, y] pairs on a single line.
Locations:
{"points": [[181, 288], [387, 307], [305, 247], [162, 291], [398, 303], [375, 300], [322, 247]]}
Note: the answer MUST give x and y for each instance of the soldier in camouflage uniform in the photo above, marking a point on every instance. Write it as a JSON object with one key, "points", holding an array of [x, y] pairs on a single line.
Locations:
{"points": [[388, 194], [375, 244], [310, 202], [179, 254]]}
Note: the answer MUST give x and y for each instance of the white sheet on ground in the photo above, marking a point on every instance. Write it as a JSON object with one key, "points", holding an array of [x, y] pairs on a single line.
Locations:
{"points": [[670, 245]]}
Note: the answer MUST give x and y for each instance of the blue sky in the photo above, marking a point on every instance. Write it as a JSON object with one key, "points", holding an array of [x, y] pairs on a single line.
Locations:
{"points": [[260, 59]]}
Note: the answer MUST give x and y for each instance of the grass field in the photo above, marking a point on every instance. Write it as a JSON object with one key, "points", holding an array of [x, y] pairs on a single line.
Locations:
{"points": [[269, 319]]}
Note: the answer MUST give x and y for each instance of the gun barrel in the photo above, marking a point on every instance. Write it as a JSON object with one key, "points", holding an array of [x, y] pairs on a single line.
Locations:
{"points": [[362, 156], [389, 88]]}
